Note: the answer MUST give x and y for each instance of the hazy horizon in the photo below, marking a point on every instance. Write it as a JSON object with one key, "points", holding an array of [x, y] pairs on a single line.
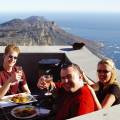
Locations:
{"points": [[15, 6]]}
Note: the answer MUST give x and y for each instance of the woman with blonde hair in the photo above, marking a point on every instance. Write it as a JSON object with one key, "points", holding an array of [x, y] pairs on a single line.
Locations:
{"points": [[107, 88]]}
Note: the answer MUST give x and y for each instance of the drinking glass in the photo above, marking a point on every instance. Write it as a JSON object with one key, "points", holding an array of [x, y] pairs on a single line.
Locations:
{"points": [[19, 71], [48, 79]]}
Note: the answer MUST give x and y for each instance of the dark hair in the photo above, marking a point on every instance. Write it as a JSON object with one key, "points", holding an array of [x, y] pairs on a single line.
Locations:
{"points": [[66, 64], [75, 66]]}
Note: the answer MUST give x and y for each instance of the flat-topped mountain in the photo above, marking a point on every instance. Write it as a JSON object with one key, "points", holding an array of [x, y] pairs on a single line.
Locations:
{"points": [[36, 31]]}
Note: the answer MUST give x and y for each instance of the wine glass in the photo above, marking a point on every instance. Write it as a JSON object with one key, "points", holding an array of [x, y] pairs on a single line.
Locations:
{"points": [[19, 71], [48, 79]]}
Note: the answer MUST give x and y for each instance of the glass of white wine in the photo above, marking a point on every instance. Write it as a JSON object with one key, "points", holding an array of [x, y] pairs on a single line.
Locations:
{"points": [[48, 78], [19, 71]]}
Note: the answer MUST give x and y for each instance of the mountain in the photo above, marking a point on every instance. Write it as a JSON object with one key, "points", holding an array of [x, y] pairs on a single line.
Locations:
{"points": [[37, 30]]}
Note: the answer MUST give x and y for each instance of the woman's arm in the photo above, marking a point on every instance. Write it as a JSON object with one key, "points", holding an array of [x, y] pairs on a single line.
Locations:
{"points": [[108, 101], [88, 80], [26, 89], [4, 89], [112, 95], [99, 106], [8, 82]]}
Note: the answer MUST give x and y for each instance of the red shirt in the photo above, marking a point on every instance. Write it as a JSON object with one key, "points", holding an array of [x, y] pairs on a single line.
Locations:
{"points": [[74, 104], [4, 75]]}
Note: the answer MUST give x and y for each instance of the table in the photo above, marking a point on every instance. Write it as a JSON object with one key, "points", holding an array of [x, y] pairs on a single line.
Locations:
{"points": [[42, 102]]}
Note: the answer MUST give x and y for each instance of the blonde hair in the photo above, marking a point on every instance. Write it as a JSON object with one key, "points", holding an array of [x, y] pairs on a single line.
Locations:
{"points": [[11, 48], [110, 63]]}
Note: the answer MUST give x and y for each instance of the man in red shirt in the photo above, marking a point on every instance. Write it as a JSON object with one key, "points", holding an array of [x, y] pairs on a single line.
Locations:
{"points": [[74, 98]]}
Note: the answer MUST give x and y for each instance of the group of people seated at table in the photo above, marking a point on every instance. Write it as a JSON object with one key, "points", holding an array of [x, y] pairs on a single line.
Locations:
{"points": [[76, 93]]}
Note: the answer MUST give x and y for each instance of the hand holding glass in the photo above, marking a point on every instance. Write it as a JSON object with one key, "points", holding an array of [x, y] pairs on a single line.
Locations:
{"points": [[48, 79]]}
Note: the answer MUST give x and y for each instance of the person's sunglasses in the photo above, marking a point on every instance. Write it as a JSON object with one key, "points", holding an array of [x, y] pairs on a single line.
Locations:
{"points": [[103, 71], [11, 57]]}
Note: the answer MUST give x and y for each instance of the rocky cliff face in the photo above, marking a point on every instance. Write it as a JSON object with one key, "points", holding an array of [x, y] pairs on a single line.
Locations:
{"points": [[36, 31]]}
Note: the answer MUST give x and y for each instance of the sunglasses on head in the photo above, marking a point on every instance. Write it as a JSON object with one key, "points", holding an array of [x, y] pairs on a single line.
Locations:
{"points": [[66, 64], [11, 57], [103, 71]]}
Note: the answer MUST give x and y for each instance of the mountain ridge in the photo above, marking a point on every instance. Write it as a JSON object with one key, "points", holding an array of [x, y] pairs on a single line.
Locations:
{"points": [[36, 30]]}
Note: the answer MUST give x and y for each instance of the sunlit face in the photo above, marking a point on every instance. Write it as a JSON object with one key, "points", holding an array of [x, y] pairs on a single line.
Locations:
{"points": [[104, 73], [10, 58], [70, 79]]}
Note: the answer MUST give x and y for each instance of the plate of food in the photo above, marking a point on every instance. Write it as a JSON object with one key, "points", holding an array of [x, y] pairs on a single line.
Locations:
{"points": [[24, 112], [22, 98]]}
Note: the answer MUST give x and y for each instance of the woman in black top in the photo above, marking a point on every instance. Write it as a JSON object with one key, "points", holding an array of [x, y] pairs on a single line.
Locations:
{"points": [[107, 88]]}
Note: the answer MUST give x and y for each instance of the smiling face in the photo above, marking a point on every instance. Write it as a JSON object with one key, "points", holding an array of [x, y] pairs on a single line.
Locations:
{"points": [[10, 56], [104, 73], [10, 59], [70, 79]]}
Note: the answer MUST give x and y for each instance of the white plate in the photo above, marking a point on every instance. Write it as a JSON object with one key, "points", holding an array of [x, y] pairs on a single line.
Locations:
{"points": [[19, 112], [6, 100], [29, 97]]}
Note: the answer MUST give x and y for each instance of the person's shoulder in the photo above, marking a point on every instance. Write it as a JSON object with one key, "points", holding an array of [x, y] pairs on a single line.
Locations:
{"points": [[114, 89], [85, 93], [85, 89], [115, 85]]}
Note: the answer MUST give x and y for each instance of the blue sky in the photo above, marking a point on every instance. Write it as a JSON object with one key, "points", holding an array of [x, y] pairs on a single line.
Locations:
{"points": [[14, 6]]}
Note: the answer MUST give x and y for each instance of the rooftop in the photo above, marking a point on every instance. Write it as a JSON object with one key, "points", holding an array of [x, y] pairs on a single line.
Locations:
{"points": [[83, 57], [31, 55]]}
